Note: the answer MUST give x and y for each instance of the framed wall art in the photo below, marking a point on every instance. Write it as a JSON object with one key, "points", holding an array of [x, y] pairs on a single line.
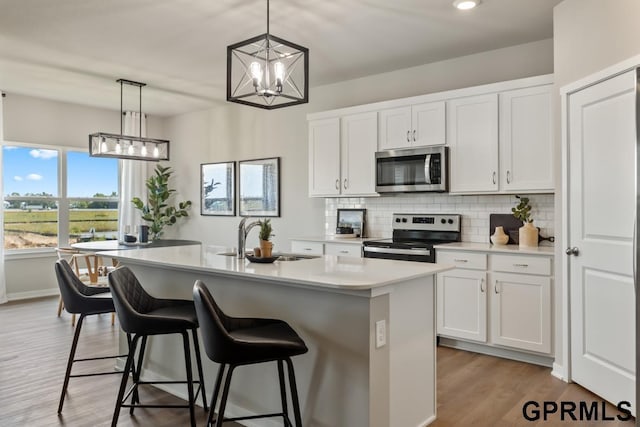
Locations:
{"points": [[218, 189]]}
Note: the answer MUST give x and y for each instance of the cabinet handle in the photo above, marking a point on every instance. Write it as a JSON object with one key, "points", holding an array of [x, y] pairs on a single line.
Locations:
{"points": [[344, 252], [337, 184], [414, 135], [408, 137], [508, 177], [495, 287], [460, 260], [494, 177], [345, 183], [307, 249], [521, 265], [481, 283]]}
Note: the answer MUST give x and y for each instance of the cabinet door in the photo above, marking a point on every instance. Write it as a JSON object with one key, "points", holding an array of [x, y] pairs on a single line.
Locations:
{"points": [[395, 128], [306, 247], [526, 140], [521, 311], [324, 157], [462, 304], [429, 126], [359, 140], [472, 132], [343, 249]]}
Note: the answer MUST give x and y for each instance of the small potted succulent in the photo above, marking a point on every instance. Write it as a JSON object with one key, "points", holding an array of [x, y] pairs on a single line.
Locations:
{"points": [[266, 246], [527, 234]]}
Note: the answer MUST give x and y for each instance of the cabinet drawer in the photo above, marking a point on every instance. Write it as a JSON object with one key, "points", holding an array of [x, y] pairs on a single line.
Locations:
{"points": [[311, 248], [470, 260], [343, 250], [521, 264]]}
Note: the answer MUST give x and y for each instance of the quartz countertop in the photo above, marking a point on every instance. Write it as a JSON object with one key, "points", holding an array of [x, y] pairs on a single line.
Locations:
{"points": [[328, 271], [488, 247]]}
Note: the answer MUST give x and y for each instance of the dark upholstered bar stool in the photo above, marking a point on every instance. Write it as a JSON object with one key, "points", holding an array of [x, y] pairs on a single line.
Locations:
{"points": [[84, 300], [237, 341], [142, 315]]}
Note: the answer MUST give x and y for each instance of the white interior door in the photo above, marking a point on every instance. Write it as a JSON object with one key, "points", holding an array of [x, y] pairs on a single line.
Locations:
{"points": [[602, 205]]}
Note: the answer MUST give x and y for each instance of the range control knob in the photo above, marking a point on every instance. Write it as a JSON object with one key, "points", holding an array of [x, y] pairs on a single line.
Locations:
{"points": [[397, 219], [443, 221], [450, 221], [404, 219]]}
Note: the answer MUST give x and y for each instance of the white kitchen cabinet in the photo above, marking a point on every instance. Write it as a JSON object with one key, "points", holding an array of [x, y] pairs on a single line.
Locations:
{"points": [[342, 155], [496, 299], [412, 126], [462, 304], [306, 247], [526, 140], [324, 157], [343, 249], [472, 129], [521, 311], [319, 248]]}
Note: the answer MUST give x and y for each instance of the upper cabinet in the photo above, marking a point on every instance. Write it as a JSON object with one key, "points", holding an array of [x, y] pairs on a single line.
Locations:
{"points": [[412, 126], [526, 140], [342, 155]]}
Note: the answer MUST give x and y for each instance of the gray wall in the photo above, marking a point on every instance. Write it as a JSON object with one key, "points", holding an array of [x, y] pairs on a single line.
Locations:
{"points": [[589, 35], [235, 132], [40, 121]]}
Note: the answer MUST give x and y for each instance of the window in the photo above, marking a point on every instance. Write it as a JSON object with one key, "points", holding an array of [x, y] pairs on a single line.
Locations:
{"points": [[54, 197]]}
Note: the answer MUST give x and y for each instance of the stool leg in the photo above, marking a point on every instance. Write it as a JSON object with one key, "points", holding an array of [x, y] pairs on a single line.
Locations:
{"points": [[196, 346], [136, 374], [60, 305], [72, 354], [283, 394], [294, 393], [125, 376], [225, 395], [187, 359], [216, 391]]}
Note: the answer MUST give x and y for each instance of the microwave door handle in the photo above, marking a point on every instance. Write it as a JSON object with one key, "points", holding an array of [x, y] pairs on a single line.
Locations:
{"points": [[427, 169]]}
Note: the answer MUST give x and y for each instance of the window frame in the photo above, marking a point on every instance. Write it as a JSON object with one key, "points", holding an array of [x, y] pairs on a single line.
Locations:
{"points": [[62, 199]]}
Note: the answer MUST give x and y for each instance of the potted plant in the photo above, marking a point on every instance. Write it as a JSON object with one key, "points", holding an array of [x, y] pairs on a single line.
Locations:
{"points": [[157, 211], [527, 234], [265, 234]]}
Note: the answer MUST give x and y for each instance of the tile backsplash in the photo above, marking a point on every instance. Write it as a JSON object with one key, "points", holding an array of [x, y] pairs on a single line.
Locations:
{"points": [[475, 211]]}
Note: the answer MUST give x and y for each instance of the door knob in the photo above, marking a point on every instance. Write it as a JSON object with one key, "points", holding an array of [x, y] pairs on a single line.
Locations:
{"points": [[572, 251]]}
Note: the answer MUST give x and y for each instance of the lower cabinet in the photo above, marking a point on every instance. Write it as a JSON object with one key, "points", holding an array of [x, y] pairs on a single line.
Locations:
{"points": [[508, 304], [326, 248]]}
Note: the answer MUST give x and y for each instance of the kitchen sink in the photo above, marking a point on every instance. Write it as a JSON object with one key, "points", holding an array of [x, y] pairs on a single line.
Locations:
{"points": [[281, 256]]}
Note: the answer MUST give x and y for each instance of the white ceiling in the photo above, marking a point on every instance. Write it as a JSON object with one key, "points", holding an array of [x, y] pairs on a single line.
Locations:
{"points": [[74, 50]]}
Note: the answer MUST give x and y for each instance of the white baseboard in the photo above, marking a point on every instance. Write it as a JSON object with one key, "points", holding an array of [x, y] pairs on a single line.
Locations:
{"points": [[16, 296], [559, 372], [498, 352], [427, 421]]}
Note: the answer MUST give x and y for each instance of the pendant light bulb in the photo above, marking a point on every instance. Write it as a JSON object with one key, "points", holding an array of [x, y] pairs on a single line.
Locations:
{"points": [[279, 72], [143, 150], [118, 148], [156, 151], [256, 73], [130, 149], [103, 145]]}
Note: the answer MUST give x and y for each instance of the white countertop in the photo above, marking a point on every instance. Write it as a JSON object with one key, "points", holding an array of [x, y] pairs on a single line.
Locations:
{"points": [[324, 272], [334, 239], [488, 247]]}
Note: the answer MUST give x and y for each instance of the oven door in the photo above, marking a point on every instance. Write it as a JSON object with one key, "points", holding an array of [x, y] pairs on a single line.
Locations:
{"points": [[415, 254], [420, 169]]}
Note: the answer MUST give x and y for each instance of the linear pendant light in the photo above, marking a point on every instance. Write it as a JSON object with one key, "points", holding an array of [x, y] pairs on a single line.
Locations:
{"points": [[267, 72], [121, 146]]}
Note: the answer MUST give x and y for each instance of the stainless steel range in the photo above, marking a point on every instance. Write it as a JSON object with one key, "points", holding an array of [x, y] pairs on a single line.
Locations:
{"points": [[414, 236]]}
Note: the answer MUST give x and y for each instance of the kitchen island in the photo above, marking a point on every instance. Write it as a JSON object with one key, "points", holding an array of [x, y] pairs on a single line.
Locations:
{"points": [[368, 323]]}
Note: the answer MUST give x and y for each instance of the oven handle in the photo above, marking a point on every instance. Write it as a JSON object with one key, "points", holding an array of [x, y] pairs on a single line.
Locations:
{"points": [[397, 251]]}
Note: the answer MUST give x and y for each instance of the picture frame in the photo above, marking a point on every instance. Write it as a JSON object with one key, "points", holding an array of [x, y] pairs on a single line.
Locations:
{"points": [[259, 187], [353, 218], [218, 189]]}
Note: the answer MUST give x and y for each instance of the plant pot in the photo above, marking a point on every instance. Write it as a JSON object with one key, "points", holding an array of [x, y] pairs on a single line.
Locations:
{"points": [[528, 235], [499, 237], [266, 247]]}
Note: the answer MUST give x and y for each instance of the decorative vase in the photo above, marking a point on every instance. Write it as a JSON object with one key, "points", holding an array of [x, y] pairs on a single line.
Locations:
{"points": [[528, 235], [266, 247], [499, 237]]}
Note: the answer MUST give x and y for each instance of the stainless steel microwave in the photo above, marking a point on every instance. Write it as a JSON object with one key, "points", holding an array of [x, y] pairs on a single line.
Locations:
{"points": [[412, 170]]}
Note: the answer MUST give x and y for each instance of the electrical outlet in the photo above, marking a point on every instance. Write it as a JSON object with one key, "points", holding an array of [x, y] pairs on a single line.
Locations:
{"points": [[381, 333]]}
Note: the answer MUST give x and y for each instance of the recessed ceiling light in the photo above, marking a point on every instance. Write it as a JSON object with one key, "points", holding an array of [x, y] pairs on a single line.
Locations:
{"points": [[466, 4]]}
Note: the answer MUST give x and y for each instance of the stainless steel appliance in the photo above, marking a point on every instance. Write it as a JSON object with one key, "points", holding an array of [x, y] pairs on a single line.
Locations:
{"points": [[414, 236], [412, 170]]}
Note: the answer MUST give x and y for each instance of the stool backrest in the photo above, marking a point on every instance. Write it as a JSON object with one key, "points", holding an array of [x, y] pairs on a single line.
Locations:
{"points": [[214, 324], [129, 298], [72, 290]]}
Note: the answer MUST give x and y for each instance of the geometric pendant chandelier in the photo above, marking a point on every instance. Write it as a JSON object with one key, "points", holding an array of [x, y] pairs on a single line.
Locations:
{"points": [[267, 72], [121, 146]]}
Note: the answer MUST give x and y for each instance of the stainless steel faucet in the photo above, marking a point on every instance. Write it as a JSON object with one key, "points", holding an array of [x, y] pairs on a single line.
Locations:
{"points": [[243, 230]]}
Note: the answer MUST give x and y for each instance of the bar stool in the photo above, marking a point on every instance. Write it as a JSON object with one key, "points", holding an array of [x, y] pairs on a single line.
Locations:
{"points": [[142, 315], [237, 341], [86, 301]]}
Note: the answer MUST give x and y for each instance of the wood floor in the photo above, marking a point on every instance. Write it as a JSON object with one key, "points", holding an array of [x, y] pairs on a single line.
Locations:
{"points": [[473, 389]]}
